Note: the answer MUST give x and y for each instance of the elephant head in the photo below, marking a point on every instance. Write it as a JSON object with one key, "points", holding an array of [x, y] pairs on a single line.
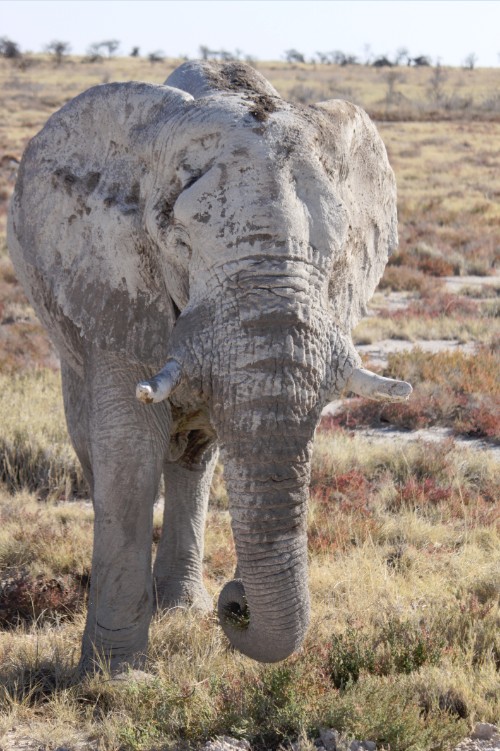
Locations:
{"points": [[213, 226]]}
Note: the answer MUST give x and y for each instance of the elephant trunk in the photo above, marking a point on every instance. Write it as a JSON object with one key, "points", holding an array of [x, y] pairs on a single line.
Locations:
{"points": [[265, 613], [265, 412]]}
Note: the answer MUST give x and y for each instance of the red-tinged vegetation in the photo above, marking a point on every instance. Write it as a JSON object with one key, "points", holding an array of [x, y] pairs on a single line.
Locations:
{"points": [[460, 242], [437, 306], [398, 278], [433, 265], [415, 492], [467, 374], [349, 507], [349, 486], [26, 598]]}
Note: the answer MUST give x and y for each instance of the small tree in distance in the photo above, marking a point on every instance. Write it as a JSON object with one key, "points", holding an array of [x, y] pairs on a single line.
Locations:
{"points": [[422, 61], [382, 62], [323, 58], [156, 57], [94, 51], [402, 56], [294, 56], [58, 49], [9, 49], [135, 52], [470, 61], [111, 45]]}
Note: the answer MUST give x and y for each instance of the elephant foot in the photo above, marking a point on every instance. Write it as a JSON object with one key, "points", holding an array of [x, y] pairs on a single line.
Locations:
{"points": [[174, 593], [113, 651], [118, 668], [126, 677]]}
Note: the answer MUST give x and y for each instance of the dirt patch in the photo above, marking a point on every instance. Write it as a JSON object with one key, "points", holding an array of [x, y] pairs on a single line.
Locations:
{"points": [[378, 352], [458, 283]]}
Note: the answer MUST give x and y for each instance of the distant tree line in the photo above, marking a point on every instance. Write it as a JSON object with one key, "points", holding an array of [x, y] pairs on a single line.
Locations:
{"points": [[337, 57], [401, 57], [98, 51]]}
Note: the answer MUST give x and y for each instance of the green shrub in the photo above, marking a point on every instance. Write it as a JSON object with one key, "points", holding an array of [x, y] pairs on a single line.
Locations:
{"points": [[399, 647]]}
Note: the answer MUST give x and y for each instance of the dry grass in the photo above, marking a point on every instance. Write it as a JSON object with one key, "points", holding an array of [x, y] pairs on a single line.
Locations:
{"points": [[448, 185], [403, 646], [397, 278], [34, 447], [424, 321]]}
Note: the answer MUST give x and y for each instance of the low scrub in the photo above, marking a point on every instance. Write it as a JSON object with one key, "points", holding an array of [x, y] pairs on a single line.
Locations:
{"points": [[400, 277], [431, 264], [439, 305], [398, 647], [24, 598], [426, 261]]}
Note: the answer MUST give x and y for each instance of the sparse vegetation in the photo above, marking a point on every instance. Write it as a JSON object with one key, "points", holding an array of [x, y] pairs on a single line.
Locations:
{"points": [[404, 645]]}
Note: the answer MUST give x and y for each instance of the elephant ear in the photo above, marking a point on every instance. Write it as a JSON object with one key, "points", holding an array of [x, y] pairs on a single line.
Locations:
{"points": [[355, 159], [77, 234]]}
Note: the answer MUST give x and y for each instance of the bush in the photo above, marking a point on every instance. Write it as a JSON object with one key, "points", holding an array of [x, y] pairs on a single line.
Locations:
{"points": [[401, 647], [427, 261], [24, 598], [402, 277]]}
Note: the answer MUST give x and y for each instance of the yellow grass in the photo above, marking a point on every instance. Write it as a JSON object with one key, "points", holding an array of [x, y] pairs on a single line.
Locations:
{"points": [[34, 445], [427, 571], [373, 329]]}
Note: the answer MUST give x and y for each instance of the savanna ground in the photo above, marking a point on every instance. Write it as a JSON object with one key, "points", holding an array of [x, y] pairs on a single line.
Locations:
{"points": [[404, 646]]}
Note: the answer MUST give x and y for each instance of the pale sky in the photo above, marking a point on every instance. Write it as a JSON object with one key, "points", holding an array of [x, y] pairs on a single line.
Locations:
{"points": [[445, 30]]}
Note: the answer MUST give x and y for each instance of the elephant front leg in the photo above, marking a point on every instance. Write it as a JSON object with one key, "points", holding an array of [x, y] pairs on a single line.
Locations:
{"points": [[127, 446], [178, 577]]}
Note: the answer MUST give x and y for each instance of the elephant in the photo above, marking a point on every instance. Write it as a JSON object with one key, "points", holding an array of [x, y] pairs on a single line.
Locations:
{"points": [[199, 253]]}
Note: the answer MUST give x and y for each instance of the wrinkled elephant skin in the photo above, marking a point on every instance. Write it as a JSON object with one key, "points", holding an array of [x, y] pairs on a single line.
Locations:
{"points": [[211, 233]]}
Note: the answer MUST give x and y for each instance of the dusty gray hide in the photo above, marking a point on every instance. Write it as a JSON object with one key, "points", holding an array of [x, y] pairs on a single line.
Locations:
{"points": [[209, 225]]}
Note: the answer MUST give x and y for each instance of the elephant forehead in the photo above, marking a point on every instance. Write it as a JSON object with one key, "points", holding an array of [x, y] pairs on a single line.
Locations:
{"points": [[251, 198]]}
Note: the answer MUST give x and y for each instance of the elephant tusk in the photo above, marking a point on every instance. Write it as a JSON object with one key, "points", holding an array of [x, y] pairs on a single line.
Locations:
{"points": [[162, 385], [365, 383]]}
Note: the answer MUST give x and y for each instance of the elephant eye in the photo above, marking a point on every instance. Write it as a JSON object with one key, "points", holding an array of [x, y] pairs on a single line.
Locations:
{"points": [[193, 179], [182, 239]]}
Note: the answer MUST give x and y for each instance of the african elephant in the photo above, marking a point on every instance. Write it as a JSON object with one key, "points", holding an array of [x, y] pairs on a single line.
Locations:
{"points": [[212, 226]]}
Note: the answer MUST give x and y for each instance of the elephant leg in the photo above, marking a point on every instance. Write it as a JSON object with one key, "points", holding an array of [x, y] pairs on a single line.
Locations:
{"points": [[76, 411], [127, 444], [178, 577]]}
